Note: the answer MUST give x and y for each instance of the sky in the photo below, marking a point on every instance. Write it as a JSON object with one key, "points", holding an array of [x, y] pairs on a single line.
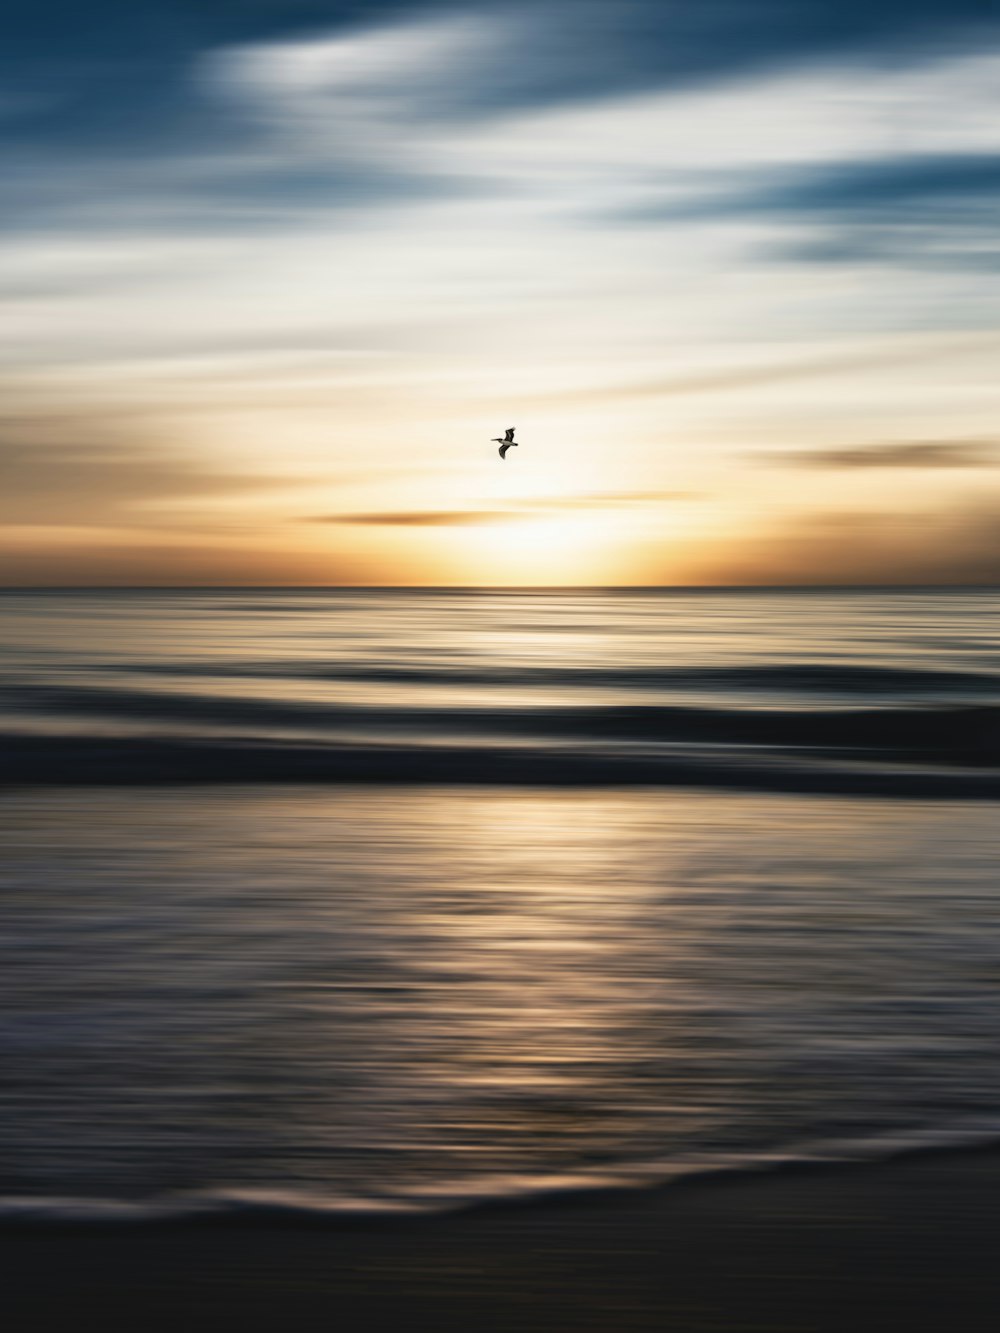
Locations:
{"points": [[273, 274]]}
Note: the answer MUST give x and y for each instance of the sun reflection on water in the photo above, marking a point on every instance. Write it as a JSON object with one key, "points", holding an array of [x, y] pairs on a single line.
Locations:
{"points": [[406, 994]]}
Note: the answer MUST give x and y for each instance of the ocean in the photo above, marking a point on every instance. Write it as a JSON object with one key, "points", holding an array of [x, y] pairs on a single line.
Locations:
{"points": [[363, 901]]}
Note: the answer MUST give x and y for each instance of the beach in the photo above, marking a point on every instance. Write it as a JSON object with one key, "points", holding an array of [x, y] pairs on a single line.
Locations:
{"points": [[900, 1245]]}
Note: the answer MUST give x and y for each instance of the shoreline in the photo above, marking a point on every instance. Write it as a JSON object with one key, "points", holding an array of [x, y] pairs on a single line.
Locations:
{"points": [[901, 1243]]}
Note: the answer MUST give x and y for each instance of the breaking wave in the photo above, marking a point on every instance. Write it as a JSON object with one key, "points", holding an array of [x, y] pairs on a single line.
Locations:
{"points": [[305, 1208]]}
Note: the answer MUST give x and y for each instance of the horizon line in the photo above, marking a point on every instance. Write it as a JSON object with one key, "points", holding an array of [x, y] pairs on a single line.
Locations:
{"points": [[490, 588]]}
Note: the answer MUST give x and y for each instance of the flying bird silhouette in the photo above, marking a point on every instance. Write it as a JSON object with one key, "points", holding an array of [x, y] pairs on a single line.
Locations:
{"points": [[507, 441]]}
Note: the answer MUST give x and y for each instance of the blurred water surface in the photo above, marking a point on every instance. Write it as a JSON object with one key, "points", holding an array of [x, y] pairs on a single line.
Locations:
{"points": [[339, 997], [908, 675]]}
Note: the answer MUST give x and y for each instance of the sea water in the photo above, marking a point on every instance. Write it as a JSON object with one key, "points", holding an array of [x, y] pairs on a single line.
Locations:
{"points": [[367, 900]]}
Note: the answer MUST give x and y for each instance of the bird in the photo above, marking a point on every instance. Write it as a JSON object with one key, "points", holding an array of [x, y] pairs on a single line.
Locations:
{"points": [[506, 442]]}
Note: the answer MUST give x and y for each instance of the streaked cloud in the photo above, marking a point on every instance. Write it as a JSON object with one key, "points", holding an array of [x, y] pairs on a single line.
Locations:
{"points": [[109, 55], [423, 518], [519, 510], [937, 209], [612, 499], [59, 471], [952, 545], [139, 562], [904, 352], [915, 454]]}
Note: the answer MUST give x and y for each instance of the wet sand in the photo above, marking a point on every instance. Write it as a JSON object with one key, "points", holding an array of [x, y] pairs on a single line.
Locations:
{"points": [[910, 1244]]}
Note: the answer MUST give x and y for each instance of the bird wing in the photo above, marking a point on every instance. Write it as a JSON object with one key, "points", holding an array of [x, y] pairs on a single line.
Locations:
{"points": [[510, 435], [504, 448]]}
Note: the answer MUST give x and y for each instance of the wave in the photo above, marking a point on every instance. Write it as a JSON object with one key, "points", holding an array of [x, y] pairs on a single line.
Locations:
{"points": [[805, 677], [74, 760], [963, 734], [302, 1207]]}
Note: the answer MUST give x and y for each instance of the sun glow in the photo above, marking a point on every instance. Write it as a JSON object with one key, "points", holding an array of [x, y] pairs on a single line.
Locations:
{"points": [[554, 549]]}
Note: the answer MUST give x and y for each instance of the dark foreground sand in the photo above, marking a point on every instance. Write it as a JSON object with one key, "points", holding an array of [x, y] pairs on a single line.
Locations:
{"points": [[909, 1245]]}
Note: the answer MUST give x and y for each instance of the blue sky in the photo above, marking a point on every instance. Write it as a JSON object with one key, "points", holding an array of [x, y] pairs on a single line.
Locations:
{"points": [[272, 275]]}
